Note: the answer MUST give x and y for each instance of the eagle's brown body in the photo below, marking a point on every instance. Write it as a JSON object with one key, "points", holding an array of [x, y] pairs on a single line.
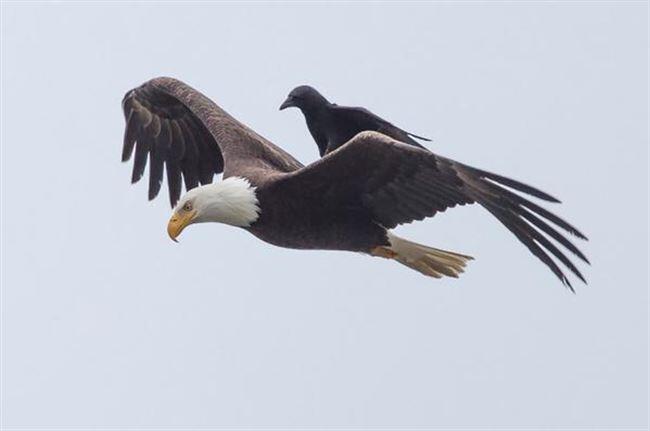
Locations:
{"points": [[296, 220]]}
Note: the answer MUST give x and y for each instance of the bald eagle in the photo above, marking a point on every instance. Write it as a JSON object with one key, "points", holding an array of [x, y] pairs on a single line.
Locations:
{"points": [[347, 200]]}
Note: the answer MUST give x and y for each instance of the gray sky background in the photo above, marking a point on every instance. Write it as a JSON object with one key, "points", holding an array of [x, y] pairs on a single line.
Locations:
{"points": [[107, 322]]}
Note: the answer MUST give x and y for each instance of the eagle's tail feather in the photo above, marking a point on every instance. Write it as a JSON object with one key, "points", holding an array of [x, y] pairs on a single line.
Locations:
{"points": [[426, 260]]}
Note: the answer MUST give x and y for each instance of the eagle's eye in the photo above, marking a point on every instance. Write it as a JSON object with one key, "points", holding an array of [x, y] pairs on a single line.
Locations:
{"points": [[187, 206]]}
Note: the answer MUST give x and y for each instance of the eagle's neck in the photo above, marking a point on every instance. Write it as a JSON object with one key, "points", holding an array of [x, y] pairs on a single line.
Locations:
{"points": [[232, 201]]}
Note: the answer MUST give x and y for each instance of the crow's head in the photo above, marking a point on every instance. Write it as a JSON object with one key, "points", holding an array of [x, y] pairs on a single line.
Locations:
{"points": [[305, 98]]}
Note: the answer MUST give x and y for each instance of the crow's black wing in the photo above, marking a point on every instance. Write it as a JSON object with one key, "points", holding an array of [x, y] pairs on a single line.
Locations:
{"points": [[366, 120]]}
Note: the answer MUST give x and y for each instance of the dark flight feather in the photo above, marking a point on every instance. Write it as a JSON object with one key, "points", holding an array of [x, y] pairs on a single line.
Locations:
{"points": [[130, 134], [142, 147], [519, 186], [158, 155]]}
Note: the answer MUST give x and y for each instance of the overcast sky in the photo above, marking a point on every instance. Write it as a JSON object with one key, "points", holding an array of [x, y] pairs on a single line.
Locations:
{"points": [[107, 322]]}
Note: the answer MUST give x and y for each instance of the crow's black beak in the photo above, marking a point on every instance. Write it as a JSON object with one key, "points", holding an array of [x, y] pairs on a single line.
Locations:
{"points": [[287, 103]]}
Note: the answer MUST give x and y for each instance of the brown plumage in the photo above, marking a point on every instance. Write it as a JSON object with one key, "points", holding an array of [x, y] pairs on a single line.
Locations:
{"points": [[345, 201]]}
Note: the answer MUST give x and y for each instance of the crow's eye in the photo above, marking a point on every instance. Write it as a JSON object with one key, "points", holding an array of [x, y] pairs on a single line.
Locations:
{"points": [[187, 206]]}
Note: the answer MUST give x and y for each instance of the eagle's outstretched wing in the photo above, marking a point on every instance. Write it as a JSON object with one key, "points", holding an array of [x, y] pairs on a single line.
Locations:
{"points": [[399, 183], [180, 129]]}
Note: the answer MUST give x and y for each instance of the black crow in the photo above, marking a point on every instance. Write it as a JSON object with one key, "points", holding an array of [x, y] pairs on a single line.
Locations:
{"points": [[332, 125]]}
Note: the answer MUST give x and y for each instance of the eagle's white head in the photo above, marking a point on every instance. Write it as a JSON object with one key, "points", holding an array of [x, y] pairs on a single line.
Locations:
{"points": [[232, 201]]}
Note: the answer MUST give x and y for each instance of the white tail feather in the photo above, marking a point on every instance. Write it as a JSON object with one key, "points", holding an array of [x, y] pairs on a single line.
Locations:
{"points": [[426, 260]]}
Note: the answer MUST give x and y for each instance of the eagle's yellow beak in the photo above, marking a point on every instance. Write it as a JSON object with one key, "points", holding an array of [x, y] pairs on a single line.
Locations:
{"points": [[178, 222]]}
